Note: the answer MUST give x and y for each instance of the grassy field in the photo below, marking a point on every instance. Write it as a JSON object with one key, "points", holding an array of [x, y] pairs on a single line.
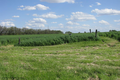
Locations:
{"points": [[86, 60]]}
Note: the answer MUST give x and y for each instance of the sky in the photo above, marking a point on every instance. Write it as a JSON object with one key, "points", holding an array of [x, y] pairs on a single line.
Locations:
{"points": [[65, 15]]}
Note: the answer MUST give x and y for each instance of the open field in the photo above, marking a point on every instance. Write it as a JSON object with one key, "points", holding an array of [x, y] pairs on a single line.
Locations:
{"points": [[85, 60]]}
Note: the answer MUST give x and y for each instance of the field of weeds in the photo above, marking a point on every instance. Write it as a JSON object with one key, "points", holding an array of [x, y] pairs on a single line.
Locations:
{"points": [[85, 60]]}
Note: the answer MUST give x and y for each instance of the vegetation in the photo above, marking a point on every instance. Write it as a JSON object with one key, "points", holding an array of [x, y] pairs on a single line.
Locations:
{"points": [[111, 34], [88, 58], [23, 31], [68, 32], [58, 39], [45, 39], [85, 60]]}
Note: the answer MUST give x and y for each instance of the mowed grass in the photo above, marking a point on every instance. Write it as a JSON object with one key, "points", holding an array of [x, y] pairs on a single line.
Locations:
{"points": [[86, 60]]}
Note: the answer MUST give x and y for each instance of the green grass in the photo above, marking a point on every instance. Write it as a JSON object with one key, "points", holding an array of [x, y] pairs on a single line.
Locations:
{"points": [[45, 40], [111, 34], [86, 60]]}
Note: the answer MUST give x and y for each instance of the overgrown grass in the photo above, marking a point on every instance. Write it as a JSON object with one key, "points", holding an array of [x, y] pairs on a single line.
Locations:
{"points": [[44, 40], [85, 60], [58, 39], [112, 34]]}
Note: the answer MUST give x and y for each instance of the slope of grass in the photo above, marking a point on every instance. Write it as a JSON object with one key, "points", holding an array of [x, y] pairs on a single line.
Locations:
{"points": [[86, 60]]}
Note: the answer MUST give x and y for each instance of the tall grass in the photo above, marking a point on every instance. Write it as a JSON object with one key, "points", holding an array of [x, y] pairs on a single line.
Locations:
{"points": [[60, 39], [112, 34], [46, 39]]}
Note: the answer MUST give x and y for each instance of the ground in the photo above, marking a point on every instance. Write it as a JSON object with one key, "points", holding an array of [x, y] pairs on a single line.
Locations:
{"points": [[86, 60]]}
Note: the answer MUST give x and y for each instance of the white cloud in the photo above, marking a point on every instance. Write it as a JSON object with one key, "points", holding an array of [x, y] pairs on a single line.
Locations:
{"points": [[98, 3], [36, 15], [21, 6], [77, 28], [104, 22], [72, 23], [27, 27], [50, 15], [76, 23], [59, 1], [86, 25], [116, 20], [61, 25], [106, 12], [19, 9], [90, 6], [29, 8], [38, 6], [95, 5], [54, 22], [7, 24], [36, 23], [80, 16], [41, 7], [16, 16], [39, 20]]}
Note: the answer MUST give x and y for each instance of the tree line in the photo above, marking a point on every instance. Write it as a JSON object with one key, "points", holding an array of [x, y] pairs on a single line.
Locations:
{"points": [[22, 31]]}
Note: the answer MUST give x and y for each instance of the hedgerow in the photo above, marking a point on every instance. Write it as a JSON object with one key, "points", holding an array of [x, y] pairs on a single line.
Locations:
{"points": [[112, 34], [58, 39], [45, 39]]}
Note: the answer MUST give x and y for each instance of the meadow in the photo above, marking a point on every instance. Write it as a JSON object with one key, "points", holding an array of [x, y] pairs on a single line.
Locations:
{"points": [[92, 59]]}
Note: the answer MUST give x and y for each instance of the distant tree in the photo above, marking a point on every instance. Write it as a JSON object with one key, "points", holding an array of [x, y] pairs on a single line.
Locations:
{"points": [[68, 32], [2, 30], [19, 31], [112, 31]]}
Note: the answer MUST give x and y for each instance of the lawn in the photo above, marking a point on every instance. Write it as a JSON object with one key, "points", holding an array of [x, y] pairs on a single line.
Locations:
{"points": [[85, 60]]}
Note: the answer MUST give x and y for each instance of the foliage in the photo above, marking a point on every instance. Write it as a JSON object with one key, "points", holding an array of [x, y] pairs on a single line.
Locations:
{"points": [[58, 39], [19, 31], [111, 34], [46, 39], [68, 32]]}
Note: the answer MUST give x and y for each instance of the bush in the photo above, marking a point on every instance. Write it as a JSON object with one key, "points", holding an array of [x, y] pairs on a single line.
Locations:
{"points": [[55, 40], [112, 34]]}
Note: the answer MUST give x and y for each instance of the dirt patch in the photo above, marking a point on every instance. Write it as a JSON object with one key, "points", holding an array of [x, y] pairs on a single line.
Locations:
{"points": [[77, 53], [55, 54], [91, 64], [118, 79], [5, 63], [35, 49], [97, 57], [93, 78], [83, 57], [49, 54], [106, 60], [8, 46], [69, 67], [118, 53], [95, 48]]}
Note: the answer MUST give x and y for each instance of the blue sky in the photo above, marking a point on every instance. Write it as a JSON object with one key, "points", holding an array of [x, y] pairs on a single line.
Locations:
{"points": [[65, 15]]}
